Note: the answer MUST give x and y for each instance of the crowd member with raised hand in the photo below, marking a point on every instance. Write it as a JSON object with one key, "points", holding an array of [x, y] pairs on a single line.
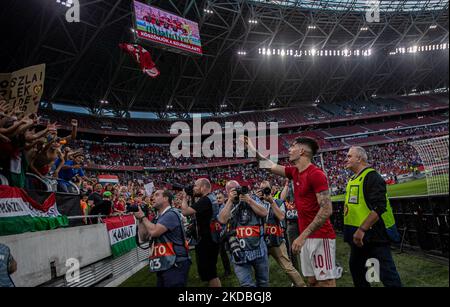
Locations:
{"points": [[14, 160]]}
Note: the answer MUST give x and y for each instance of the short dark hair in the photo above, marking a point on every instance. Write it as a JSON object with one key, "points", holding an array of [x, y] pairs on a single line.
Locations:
{"points": [[169, 196], [220, 193], [310, 142]]}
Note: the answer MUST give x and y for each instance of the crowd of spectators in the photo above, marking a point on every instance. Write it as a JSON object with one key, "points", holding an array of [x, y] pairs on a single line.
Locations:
{"points": [[29, 145], [158, 155], [421, 131], [391, 160]]}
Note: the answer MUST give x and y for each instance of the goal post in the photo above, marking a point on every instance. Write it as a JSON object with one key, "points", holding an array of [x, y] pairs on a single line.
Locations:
{"points": [[434, 155]]}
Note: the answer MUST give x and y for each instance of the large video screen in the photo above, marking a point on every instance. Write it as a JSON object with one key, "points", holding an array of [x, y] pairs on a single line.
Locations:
{"points": [[155, 25]]}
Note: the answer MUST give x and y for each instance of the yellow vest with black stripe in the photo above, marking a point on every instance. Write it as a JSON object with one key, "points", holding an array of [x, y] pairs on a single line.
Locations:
{"points": [[355, 208]]}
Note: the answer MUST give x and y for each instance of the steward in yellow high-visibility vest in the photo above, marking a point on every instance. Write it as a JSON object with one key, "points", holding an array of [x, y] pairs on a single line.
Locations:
{"points": [[356, 209], [369, 224]]}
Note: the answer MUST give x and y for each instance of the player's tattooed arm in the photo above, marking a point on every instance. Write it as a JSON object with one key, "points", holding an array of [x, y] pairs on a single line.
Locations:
{"points": [[325, 211]]}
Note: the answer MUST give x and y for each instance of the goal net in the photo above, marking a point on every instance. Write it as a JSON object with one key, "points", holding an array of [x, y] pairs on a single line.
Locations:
{"points": [[434, 155]]}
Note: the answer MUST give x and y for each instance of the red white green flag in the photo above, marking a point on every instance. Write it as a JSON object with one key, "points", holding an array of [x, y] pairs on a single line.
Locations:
{"points": [[20, 213], [122, 232]]}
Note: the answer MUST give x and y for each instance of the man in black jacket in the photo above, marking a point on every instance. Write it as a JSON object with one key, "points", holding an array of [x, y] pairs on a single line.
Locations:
{"points": [[369, 223], [206, 250]]}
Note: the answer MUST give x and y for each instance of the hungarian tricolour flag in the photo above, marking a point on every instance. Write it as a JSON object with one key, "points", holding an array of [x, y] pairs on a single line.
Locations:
{"points": [[122, 232], [19, 213]]}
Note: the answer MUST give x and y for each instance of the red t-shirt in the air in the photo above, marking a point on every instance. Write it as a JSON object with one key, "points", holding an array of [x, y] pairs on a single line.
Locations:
{"points": [[306, 184]]}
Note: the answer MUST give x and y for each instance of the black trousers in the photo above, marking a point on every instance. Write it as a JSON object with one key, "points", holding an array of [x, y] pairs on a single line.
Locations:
{"points": [[388, 274], [225, 259]]}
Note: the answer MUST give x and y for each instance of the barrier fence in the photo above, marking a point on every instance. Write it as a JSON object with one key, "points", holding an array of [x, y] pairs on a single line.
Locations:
{"points": [[423, 222]]}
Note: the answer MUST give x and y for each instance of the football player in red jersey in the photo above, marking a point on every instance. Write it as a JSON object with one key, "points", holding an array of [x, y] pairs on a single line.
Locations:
{"points": [[317, 240]]}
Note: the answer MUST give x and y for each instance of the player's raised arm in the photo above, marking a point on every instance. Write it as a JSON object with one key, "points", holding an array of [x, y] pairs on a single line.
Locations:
{"points": [[273, 167]]}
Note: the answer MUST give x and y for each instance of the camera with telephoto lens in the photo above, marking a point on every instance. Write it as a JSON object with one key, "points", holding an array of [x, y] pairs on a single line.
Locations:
{"points": [[129, 208], [234, 246], [189, 189]]}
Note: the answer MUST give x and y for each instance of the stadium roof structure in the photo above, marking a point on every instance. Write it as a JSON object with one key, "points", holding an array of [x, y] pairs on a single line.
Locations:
{"points": [[85, 66], [361, 5]]}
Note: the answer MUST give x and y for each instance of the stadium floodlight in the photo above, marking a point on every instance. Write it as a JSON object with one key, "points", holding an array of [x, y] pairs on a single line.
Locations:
{"points": [[253, 21], [312, 27], [433, 27], [104, 102], [364, 29], [434, 154], [242, 53], [264, 51], [67, 3], [208, 11], [313, 52]]}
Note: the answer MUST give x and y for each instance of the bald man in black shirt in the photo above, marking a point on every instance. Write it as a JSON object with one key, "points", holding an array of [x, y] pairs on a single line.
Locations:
{"points": [[207, 250]]}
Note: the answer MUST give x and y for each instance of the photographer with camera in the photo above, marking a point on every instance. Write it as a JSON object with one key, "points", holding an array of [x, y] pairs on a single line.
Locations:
{"points": [[292, 231], [274, 233], [207, 248], [244, 215], [169, 256]]}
